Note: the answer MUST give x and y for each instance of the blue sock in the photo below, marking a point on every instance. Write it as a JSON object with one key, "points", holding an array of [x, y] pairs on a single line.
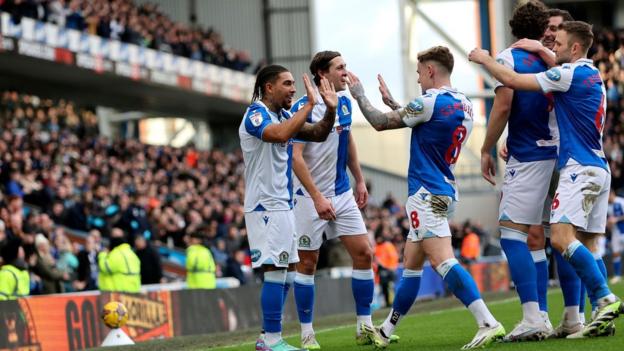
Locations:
{"points": [[586, 268], [617, 266], [521, 264], [583, 299], [601, 265], [290, 278], [603, 271], [541, 266], [568, 280], [459, 281], [272, 300], [407, 292], [363, 287], [304, 297]]}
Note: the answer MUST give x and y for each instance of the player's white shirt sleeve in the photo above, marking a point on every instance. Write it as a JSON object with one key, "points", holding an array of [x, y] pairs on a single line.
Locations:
{"points": [[557, 79], [419, 110], [256, 121], [505, 58]]}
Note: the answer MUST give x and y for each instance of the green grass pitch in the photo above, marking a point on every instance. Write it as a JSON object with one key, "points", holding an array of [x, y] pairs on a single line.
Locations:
{"points": [[436, 325]]}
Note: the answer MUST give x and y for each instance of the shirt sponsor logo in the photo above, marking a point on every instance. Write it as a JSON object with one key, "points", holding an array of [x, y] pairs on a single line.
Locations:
{"points": [[415, 107]]}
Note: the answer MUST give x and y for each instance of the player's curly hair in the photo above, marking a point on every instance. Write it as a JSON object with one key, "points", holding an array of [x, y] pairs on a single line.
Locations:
{"points": [[529, 20], [268, 74], [440, 54], [320, 62]]}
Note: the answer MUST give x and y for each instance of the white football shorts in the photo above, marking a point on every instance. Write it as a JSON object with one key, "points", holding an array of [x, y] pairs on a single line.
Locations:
{"points": [[272, 238], [582, 197], [310, 226], [428, 215], [525, 186]]}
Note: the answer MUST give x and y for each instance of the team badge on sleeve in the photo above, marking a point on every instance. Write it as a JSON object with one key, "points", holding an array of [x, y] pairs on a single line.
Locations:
{"points": [[553, 74], [415, 107], [256, 119]]}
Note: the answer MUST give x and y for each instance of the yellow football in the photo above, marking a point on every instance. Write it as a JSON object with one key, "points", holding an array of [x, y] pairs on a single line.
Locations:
{"points": [[114, 314]]}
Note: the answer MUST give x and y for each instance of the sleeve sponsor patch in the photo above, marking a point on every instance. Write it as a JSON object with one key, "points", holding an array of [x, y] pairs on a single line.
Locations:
{"points": [[553, 74], [256, 119], [415, 107]]}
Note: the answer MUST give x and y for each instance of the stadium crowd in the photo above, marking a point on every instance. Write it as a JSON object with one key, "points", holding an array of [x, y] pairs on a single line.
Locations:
{"points": [[57, 174], [55, 162], [143, 25], [608, 55]]}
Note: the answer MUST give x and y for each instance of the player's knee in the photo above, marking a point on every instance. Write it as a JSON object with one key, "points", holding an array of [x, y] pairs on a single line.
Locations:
{"points": [[363, 256], [535, 241], [307, 265], [558, 243]]}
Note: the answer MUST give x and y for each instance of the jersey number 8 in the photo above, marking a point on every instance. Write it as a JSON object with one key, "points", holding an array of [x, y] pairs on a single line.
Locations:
{"points": [[452, 154]]}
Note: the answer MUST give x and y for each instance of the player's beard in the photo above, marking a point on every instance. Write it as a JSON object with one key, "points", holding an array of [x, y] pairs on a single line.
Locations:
{"points": [[563, 57]]}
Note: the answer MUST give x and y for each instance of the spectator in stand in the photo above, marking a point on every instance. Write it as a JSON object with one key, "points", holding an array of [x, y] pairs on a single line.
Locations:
{"points": [[471, 245], [151, 266], [45, 267], [88, 264], [387, 258]]}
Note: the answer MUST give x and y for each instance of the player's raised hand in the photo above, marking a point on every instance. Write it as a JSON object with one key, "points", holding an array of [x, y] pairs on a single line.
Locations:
{"points": [[361, 195], [478, 55], [310, 91], [386, 96], [488, 170], [529, 45], [355, 85], [324, 208], [328, 93]]}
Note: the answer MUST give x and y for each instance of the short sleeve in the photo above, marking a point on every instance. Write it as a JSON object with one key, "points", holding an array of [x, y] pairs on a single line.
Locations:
{"points": [[504, 58], [419, 110], [556, 79], [255, 122]]}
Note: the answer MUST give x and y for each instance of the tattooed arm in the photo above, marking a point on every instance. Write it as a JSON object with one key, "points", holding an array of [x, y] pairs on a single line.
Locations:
{"points": [[320, 130], [379, 120]]}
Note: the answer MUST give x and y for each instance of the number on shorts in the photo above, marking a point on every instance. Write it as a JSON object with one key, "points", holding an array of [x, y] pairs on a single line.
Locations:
{"points": [[414, 218], [555, 202]]}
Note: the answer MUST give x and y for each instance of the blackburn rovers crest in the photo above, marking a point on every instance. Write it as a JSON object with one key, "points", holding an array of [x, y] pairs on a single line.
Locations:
{"points": [[304, 241]]}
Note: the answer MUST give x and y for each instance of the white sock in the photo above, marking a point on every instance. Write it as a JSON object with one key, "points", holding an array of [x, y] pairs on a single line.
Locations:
{"points": [[531, 312], [272, 338], [391, 322], [607, 299], [363, 320], [481, 314], [306, 329], [571, 315]]}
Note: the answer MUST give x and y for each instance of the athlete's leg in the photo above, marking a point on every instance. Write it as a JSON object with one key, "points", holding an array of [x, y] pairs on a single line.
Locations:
{"points": [[414, 258]]}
